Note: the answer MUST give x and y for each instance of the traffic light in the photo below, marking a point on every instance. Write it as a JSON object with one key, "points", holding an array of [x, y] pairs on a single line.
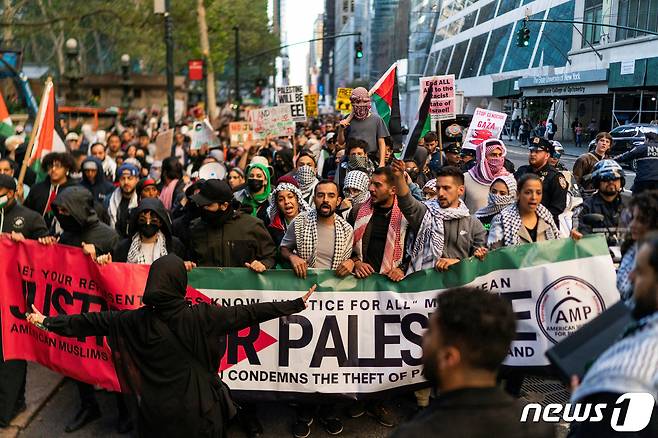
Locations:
{"points": [[358, 50], [523, 36]]}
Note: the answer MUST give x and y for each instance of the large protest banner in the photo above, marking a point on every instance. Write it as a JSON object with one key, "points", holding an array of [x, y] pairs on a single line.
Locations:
{"points": [[275, 121], [356, 337]]}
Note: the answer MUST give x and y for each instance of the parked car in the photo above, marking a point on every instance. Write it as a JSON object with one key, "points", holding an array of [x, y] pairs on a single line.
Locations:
{"points": [[626, 136]]}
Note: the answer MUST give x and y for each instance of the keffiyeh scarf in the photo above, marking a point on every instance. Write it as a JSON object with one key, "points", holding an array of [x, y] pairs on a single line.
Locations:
{"points": [[273, 208], [307, 180], [136, 255], [430, 241], [511, 221], [497, 203], [359, 180], [487, 169], [306, 235], [115, 200], [397, 228]]}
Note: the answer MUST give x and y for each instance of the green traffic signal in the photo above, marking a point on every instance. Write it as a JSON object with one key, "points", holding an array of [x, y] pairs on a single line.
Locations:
{"points": [[358, 50], [523, 36]]}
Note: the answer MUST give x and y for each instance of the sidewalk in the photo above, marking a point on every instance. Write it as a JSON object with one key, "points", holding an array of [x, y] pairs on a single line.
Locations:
{"points": [[570, 149], [41, 385]]}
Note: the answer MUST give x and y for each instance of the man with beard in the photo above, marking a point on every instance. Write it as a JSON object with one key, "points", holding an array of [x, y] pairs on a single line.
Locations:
{"points": [[363, 125], [123, 199], [319, 239], [22, 223], [98, 150], [74, 210], [629, 365], [467, 340]]}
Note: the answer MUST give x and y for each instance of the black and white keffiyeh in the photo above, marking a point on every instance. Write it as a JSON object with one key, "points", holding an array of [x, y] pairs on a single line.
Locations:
{"points": [[357, 179], [510, 218], [115, 200], [306, 235], [136, 255], [273, 208], [430, 241], [496, 203]]}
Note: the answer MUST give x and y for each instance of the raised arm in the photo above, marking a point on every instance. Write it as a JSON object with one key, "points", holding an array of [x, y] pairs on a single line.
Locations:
{"points": [[74, 326]]}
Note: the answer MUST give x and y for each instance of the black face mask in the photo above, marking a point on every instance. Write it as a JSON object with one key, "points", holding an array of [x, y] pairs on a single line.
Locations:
{"points": [[216, 218], [148, 230], [68, 223], [255, 185]]}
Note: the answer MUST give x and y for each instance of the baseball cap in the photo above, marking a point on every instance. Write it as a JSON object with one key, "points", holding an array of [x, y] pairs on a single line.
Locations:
{"points": [[467, 151], [145, 182], [330, 136], [128, 167], [90, 165], [72, 136], [452, 148], [213, 190], [7, 182], [541, 144]]}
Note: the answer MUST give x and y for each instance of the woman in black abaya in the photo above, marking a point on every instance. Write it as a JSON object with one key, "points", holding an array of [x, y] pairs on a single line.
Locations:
{"points": [[167, 353]]}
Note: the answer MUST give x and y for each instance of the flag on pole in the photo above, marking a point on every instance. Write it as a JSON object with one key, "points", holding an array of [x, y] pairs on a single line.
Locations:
{"points": [[386, 101], [423, 125], [46, 139], [6, 126]]}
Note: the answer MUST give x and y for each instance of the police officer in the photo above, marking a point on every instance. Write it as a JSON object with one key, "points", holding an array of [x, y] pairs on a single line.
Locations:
{"points": [[468, 159], [554, 184], [452, 155], [646, 154], [22, 223]]}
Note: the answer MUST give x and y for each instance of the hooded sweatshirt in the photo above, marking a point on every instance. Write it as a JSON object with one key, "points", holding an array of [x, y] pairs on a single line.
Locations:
{"points": [[100, 187]]}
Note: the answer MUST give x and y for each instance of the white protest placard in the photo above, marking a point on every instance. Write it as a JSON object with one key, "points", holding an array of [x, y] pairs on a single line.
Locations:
{"points": [[275, 121], [485, 124], [293, 98], [203, 134], [442, 105]]}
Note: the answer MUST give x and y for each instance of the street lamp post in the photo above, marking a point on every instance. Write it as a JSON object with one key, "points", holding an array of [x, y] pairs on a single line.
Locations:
{"points": [[73, 74], [236, 29], [125, 81]]}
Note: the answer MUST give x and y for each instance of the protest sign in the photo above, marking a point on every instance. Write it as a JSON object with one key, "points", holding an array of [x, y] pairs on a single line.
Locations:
{"points": [[163, 143], [203, 134], [485, 124], [311, 101], [239, 132], [293, 98], [442, 105], [343, 102], [274, 121], [355, 337]]}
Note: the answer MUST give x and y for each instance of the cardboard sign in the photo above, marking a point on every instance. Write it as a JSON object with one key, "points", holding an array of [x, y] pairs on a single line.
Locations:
{"points": [[274, 121], [202, 134], [163, 144], [442, 105], [343, 103], [485, 124], [293, 98], [240, 132], [311, 101]]}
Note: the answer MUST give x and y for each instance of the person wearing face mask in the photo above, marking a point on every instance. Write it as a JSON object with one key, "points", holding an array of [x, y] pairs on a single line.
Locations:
{"points": [[355, 158], [155, 171], [93, 179], [20, 223], [151, 236], [286, 202], [58, 167], [490, 164], [502, 194], [254, 197], [429, 190], [74, 209], [362, 124], [525, 221], [306, 176], [355, 191], [282, 163]]}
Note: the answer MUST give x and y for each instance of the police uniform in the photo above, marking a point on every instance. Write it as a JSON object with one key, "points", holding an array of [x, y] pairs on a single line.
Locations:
{"points": [[554, 184], [15, 217]]}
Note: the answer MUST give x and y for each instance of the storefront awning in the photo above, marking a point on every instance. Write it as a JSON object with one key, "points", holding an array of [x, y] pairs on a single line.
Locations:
{"points": [[507, 88], [576, 83], [627, 74]]}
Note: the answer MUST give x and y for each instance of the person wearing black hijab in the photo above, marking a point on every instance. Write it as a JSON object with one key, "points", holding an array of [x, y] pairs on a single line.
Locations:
{"points": [[167, 353]]}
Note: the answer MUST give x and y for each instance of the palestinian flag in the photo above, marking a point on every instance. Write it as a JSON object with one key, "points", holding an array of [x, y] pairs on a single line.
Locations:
{"points": [[6, 127], [423, 125], [386, 101], [45, 137]]}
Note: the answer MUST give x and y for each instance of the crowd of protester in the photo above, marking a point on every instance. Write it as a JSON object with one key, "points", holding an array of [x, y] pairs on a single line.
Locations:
{"points": [[337, 196]]}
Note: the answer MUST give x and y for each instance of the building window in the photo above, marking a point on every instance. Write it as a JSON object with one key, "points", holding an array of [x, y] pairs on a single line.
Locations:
{"points": [[487, 12], [507, 5], [474, 56], [518, 58], [642, 14], [346, 6], [556, 38], [458, 58], [594, 13], [493, 58], [442, 65], [469, 20]]}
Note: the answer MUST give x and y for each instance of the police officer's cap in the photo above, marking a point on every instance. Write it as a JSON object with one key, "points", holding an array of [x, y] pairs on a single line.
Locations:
{"points": [[541, 144]]}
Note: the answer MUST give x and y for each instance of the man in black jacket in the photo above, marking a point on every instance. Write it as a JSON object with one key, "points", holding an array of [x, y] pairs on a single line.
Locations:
{"points": [[22, 223], [74, 210], [224, 237], [467, 339]]}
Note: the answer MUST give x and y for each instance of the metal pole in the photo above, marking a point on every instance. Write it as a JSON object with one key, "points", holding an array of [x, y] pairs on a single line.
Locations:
{"points": [[169, 42], [236, 29]]}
